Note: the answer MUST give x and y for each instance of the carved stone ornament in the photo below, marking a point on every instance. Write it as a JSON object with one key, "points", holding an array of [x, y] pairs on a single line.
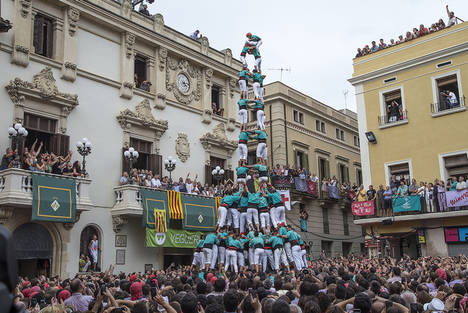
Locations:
{"points": [[232, 87], [126, 90], [69, 71], [43, 87], [162, 58], [218, 138], [227, 56], [205, 44], [158, 22], [20, 55], [73, 17], [25, 7], [160, 102], [118, 221], [126, 8], [208, 77], [5, 215], [142, 116], [182, 147], [207, 116], [129, 44], [194, 73]]}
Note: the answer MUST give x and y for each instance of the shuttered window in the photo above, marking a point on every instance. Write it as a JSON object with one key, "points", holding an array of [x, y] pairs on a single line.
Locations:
{"points": [[43, 40]]}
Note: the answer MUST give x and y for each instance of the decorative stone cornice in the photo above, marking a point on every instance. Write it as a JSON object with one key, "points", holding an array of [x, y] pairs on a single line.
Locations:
{"points": [[42, 87], [25, 7], [218, 139], [73, 18], [5, 215], [182, 147], [143, 117], [129, 44]]}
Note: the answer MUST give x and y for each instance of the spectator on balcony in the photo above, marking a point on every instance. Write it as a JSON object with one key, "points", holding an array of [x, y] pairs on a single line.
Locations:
{"points": [[452, 18], [156, 182], [359, 53], [361, 195], [441, 196], [124, 178], [147, 181], [392, 43], [403, 189], [324, 187], [382, 44], [452, 184], [146, 86], [423, 30], [434, 195], [461, 184], [408, 37], [429, 197], [77, 169], [374, 47], [7, 159], [440, 25], [394, 112], [421, 192], [196, 35], [144, 9], [416, 33], [450, 98], [388, 201], [394, 183], [400, 39], [413, 188], [380, 200], [314, 178]]}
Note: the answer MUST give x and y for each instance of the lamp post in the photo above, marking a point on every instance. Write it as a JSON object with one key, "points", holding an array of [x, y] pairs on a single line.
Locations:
{"points": [[131, 155], [17, 133], [84, 149], [218, 173], [170, 165]]}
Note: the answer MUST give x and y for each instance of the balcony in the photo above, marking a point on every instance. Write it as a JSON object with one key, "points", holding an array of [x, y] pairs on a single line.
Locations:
{"points": [[16, 190], [409, 216], [444, 108], [386, 121], [127, 201]]}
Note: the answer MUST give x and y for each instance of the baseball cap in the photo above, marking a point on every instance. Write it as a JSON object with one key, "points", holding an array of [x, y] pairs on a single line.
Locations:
{"points": [[436, 305]]}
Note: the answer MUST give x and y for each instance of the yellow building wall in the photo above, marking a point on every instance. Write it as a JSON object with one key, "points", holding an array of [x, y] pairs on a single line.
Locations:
{"points": [[424, 137]]}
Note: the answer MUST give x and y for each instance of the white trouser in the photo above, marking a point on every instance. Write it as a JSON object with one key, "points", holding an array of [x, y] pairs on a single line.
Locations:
{"points": [[229, 218], [243, 116], [256, 90], [244, 61], [222, 211], [268, 257], [207, 255], [280, 215], [262, 150], [280, 257], [242, 147], [264, 219], [241, 180], [243, 221], [296, 253], [240, 258], [243, 86], [197, 258], [221, 255], [258, 64], [252, 216], [304, 257], [258, 255], [274, 221], [261, 119], [214, 257], [235, 217], [251, 256], [231, 259], [287, 250], [430, 205]]}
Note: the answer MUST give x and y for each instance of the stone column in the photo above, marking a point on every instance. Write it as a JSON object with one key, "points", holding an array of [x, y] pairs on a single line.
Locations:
{"points": [[160, 78], [231, 104], [127, 60], [70, 43], [22, 35], [206, 95], [57, 47]]}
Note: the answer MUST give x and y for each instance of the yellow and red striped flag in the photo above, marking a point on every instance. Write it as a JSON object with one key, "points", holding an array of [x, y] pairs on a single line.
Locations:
{"points": [[175, 205], [217, 203], [160, 224]]}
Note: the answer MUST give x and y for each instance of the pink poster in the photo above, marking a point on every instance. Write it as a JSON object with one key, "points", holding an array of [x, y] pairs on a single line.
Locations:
{"points": [[451, 235]]}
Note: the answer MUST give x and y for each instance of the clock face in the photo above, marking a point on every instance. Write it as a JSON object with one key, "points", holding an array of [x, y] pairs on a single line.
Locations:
{"points": [[183, 83]]}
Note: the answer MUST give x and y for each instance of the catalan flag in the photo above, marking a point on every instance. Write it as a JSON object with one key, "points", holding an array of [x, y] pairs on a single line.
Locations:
{"points": [[175, 205], [160, 221], [217, 204]]}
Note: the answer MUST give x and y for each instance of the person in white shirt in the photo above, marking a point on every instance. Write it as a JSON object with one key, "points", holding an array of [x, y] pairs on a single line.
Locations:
{"points": [[155, 182], [461, 184], [314, 178], [148, 181], [452, 18]]}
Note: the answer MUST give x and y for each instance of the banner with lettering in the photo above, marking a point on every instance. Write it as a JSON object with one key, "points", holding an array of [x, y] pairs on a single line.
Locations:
{"points": [[281, 182], [406, 204], [175, 238], [363, 208], [457, 198], [54, 198]]}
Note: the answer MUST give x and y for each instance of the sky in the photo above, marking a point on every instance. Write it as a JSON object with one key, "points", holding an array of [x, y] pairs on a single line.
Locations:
{"points": [[317, 40]]}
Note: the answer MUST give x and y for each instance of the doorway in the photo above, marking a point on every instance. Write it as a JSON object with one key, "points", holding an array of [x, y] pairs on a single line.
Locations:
{"points": [[87, 235], [34, 248]]}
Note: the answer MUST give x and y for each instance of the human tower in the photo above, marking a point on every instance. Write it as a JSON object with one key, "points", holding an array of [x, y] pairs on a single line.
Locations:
{"points": [[251, 231]]}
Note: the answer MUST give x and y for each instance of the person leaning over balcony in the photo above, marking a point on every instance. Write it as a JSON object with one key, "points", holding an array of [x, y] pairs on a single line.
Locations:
{"points": [[371, 194], [441, 196], [402, 190], [452, 18], [124, 178], [7, 158], [422, 196], [408, 37]]}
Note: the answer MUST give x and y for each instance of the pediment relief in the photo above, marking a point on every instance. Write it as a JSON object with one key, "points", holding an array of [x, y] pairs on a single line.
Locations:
{"points": [[218, 138], [141, 116], [42, 87]]}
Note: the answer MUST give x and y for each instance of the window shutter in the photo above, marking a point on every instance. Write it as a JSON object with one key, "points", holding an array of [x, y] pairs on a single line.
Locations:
{"points": [[49, 38], [208, 176], [306, 161], [346, 175], [155, 163], [37, 34], [327, 168], [59, 144]]}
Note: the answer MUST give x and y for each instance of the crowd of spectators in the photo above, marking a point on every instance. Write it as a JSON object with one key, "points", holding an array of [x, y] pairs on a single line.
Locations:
{"points": [[146, 178], [432, 195], [46, 162], [142, 84], [410, 35], [328, 285]]}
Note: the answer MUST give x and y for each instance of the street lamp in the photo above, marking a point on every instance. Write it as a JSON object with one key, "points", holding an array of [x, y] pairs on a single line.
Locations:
{"points": [[17, 133], [218, 173], [84, 149], [170, 165], [131, 155]]}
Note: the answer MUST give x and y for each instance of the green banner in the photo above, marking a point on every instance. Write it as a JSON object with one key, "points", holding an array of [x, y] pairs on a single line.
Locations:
{"points": [[406, 204], [199, 213], [54, 199], [172, 238], [151, 200]]}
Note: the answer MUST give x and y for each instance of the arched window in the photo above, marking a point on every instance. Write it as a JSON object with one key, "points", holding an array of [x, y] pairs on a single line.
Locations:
{"points": [[86, 237]]}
